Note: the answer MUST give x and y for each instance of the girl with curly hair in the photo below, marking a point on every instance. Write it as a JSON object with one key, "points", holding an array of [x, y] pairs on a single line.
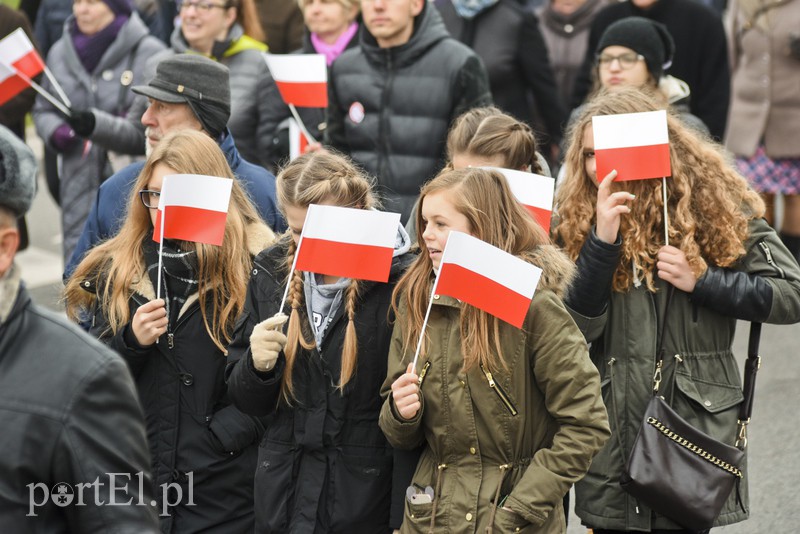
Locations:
{"points": [[324, 465], [508, 417], [724, 263], [175, 346]]}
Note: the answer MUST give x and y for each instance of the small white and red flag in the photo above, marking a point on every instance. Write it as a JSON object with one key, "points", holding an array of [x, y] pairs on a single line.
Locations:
{"points": [[347, 242], [534, 191], [488, 278], [17, 54], [635, 144], [302, 79], [297, 140], [193, 207]]}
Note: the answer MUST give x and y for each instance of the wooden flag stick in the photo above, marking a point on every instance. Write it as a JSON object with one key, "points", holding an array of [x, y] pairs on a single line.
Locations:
{"points": [[666, 214], [57, 86], [39, 89], [301, 124]]}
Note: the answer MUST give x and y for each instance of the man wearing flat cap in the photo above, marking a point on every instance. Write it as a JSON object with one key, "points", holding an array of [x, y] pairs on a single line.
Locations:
{"points": [[72, 427], [188, 91]]}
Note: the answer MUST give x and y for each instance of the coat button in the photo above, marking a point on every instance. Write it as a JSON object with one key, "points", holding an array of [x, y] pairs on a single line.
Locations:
{"points": [[436, 297], [468, 517], [707, 403], [569, 28], [186, 378], [472, 450]]}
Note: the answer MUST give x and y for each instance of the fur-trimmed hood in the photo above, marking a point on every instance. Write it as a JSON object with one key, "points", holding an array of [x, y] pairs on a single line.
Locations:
{"points": [[558, 270]]}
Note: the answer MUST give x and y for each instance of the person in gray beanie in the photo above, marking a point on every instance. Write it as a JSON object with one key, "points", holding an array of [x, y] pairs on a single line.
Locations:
{"points": [[644, 37], [69, 412]]}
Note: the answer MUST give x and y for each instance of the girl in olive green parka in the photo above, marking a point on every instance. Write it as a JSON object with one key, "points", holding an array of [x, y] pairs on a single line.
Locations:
{"points": [[510, 418]]}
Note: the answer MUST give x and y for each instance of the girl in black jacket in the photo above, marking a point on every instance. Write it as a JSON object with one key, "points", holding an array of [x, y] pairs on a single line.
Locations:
{"points": [[324, 464]]}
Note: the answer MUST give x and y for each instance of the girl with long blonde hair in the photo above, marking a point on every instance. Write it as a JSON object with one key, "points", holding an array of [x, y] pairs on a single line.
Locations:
{"points": [[175, 346], [509, 418], [323, 450], [722, 263]]}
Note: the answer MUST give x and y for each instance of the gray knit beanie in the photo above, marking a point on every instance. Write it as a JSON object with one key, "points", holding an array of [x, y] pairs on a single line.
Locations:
{"points": [[17, 173]]}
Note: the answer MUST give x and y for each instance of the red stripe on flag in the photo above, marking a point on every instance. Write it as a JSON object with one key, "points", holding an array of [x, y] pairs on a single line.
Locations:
{"points": [[305, 94], [334, 258], [30, 64], [634, 162], [11, 87], [192, 224], [483, 293], [541, 216]]}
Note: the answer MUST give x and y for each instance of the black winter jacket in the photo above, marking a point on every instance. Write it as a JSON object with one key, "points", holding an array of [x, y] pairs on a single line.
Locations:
{"points": [[324, 465], [508, 40], [68, 413], [198, 440], [390, 108]]}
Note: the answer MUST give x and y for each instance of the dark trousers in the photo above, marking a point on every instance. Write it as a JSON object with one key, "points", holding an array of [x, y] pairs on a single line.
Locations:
{"points": [[600, 531]]}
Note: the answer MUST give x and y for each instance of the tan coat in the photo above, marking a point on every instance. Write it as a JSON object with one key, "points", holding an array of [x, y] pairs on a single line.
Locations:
{"points": [[530, 437], [765, 96]]}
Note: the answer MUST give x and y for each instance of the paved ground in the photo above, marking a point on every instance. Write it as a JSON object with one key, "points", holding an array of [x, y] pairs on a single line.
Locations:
{"points": [[774, 443]]}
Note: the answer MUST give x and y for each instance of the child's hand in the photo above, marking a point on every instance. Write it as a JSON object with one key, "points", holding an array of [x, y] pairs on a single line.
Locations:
{"points": [[149, 322], [267, 341], [673, 268], [610, 206], [405, 393]]}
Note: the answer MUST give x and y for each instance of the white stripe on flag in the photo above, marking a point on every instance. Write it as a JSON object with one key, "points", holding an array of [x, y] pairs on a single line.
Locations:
{"points": [[530, 189], [354, 226], [196, 191], [14, 46], [491, 262], [630, 130], [298, 68]]}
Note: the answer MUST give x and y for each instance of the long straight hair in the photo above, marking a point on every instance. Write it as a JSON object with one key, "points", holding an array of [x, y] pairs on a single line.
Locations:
{"points": [[116, 266], [494, 216], [312, 179]]}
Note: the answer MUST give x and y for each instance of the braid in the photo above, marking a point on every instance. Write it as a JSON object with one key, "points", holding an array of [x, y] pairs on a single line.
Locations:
{"points": [[294, 331], [350, 349]]}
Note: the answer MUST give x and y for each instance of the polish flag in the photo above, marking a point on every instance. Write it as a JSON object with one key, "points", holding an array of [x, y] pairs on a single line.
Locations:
{"points": [[488, 278], [533, 191], [302, 79], [297, 141], [348, 242], [635, 144], [17, 54], [194, 208]]}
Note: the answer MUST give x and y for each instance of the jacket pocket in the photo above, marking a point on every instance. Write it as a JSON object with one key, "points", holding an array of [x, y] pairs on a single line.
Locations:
{"points": [[711, 407], [361, 490], [273, 489], [508, 521]]}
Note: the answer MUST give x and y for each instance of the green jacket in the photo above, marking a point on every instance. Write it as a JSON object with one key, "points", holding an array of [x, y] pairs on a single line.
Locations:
{"points": [[528, 433], [701, 376]]}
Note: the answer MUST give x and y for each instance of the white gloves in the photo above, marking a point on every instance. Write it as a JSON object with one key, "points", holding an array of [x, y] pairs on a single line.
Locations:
{"points": [[267, 341]]}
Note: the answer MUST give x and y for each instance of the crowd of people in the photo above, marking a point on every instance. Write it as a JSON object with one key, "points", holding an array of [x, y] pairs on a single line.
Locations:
{"points": [[235, 393]]}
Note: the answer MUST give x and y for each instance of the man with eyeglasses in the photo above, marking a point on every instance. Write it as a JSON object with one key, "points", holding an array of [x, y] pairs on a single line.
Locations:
{"points": [[700, 59], [188, 91], [393, 98]]}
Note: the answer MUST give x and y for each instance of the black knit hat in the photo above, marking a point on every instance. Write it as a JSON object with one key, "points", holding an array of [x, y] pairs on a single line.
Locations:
{"points": [[644, 36]]}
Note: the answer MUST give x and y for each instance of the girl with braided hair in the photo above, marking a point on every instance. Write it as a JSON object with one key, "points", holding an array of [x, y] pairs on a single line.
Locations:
{"points": [[324, 464], [723, 263]]}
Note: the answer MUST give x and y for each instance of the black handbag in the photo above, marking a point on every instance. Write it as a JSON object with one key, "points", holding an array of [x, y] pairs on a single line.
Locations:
{"points": [[679, 471]]}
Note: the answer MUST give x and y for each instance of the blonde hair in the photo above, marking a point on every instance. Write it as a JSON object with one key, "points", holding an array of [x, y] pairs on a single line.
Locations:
{"points": [[118, 264], [709, 203], [347, 4], [247, 17], [312, 179], [488, 132], [494, 216]]}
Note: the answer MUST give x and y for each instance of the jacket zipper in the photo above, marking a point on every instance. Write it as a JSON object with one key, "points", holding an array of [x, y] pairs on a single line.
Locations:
{"points": [[423, 373], [770, 260], [499, 390], [383, 140]]}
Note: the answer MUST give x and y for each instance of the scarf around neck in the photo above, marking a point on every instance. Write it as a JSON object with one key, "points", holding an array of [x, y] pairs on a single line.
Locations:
{"points": [[90, 48], [468, 9], [332, 51], [179, 279]]}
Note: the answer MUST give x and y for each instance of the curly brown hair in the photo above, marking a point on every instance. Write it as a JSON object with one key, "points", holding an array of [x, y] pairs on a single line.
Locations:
{"points": [[709, 204]]}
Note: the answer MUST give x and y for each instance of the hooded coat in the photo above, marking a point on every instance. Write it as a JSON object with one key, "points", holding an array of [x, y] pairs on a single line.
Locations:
{"points": [[390, 108], [521, 435], [324, 465]]}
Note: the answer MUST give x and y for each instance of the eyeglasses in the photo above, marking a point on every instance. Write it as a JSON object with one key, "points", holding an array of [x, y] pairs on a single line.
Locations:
{"points": [[627, 60], [149, 198], [203, 7]]}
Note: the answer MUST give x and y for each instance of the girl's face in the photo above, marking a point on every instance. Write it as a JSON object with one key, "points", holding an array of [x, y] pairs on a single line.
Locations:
{"points": [[205, 21], [154, 184], [621, 67], [588, 152], [328, 18], [466, 159], [439, 217], [91, 16]]}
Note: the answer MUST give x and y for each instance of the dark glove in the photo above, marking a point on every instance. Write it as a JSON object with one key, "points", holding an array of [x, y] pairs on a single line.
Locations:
{"points": [[82, 122]]}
